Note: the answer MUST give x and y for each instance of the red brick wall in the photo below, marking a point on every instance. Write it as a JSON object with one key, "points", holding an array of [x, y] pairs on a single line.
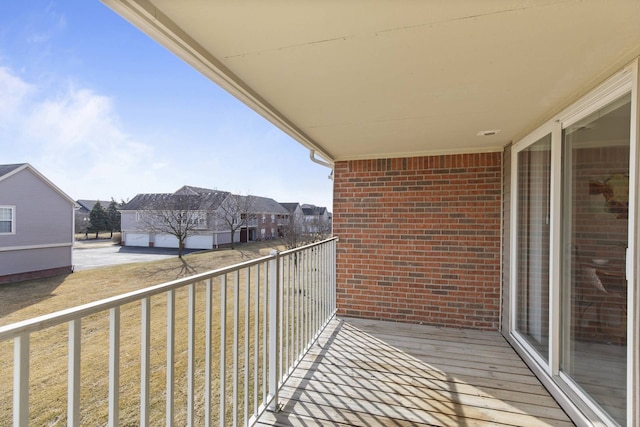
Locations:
{"points": [[33, 275], [420, 239]]}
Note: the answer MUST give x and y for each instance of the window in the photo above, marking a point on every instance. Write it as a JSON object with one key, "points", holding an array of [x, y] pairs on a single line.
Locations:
{"points": [[7, 219]]}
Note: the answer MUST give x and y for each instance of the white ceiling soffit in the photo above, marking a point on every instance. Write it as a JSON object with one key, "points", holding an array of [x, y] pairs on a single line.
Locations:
{"points": [[375, 79]]}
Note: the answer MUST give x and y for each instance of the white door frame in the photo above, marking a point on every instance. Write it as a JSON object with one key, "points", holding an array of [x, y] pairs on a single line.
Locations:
{"points": [[627, 80]]}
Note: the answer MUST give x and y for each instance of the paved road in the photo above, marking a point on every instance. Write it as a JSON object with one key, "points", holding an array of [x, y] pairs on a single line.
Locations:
{"points": [[94, 255]]}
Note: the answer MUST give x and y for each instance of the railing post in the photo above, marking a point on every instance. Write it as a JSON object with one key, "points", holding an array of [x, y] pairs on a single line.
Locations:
{"points": [[274, 329], [114, 366], [73, 384], [223, 350], [21, 380], [191, 353], [145, 360], [207, 352]]}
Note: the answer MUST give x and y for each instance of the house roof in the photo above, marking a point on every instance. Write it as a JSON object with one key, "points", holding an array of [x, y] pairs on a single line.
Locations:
{"points": [[6, 171], [291, 206], [311, 210], [379, 79], [197, 199], [89, 204], [267, 205]]}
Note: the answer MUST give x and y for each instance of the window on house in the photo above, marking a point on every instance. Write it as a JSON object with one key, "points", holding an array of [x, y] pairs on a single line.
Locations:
{"points": [[7, 219]]}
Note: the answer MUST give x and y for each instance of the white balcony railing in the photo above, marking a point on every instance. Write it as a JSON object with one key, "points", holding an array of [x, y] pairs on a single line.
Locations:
{"points": [[243, 331]]}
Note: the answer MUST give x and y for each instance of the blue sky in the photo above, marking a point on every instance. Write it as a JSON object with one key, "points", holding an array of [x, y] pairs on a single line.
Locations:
{"points": [[104, 111]]}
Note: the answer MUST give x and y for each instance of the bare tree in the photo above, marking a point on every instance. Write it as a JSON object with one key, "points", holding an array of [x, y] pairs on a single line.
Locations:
{"points": [[174, 214], [293, 233], [236, 212], [318, 229]]}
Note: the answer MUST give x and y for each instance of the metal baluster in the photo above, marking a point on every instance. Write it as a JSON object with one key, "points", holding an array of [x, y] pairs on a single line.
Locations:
{"points": [[247, 312], [73, 384], [145, 359], [171, 344], [274, 340], [256, 343], [236, 327], [207, 351], [223, 349], [114, 366], [21, 380], [191, 356]]}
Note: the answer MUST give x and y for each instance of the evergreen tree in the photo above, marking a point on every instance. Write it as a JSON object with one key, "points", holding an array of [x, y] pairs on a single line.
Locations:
{"points": [[113, 217], [99, 219]]}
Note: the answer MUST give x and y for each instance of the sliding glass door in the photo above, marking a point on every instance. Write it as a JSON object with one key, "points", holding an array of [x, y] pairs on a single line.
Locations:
{"points": [[532, 297], [595, 229], [573, 228]]}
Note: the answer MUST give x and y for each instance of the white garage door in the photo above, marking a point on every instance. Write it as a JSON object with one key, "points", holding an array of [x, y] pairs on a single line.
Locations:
{"points": [[166, 241], [225, 238], [136, 239], [199, 242]]}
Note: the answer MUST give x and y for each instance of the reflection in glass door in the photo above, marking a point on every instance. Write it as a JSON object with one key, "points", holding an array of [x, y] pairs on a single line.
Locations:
{"points": [[532, 296], [596, 155]]}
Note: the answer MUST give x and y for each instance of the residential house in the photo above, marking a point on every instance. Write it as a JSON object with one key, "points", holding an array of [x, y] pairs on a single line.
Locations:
{"points": [[317, 219], [485, 160], [212, 212], [296, 214], [199, 205], [268, 219], [36, 225]]}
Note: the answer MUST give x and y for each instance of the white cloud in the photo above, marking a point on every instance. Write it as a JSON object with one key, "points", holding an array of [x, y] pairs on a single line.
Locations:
{"points": [[75, 139], [13, 93]]}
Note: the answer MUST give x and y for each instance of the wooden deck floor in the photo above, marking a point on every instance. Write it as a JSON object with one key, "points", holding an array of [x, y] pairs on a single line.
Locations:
{"points": [[368, 373]]}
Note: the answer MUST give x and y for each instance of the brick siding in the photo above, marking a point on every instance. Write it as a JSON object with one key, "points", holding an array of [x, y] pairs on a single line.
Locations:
{"points": [[33, 275], [420, 239]]}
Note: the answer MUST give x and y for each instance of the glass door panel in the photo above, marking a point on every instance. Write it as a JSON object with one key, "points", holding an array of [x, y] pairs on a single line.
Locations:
{"points": [[532, 296], [596, 155]]}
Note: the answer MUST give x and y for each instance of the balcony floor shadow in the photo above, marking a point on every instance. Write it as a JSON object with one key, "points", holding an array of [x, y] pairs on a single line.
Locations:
{"points": [[374, 373]]}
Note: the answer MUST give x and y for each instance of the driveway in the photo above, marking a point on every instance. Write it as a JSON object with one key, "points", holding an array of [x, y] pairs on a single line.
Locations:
{"points": [[95, 254]]}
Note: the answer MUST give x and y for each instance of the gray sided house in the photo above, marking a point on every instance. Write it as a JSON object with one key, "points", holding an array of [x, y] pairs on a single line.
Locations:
{"points": [[296, 214], [210, 213], [317, 219], [140, 219], [36, 225]]}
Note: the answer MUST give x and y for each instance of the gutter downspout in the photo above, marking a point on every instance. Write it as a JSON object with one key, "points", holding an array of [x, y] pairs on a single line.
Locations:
{"points": [[312, 156]]}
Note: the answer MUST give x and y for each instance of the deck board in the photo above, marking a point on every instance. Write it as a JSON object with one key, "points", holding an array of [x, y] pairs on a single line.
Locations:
{"points": [[368, 373]]}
